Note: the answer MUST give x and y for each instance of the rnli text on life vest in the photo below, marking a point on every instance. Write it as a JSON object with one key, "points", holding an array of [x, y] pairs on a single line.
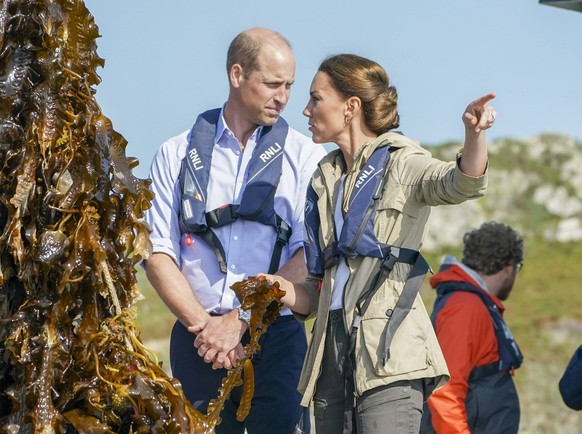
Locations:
{"points": [[366, 172], [270, 152], [195, 159]]}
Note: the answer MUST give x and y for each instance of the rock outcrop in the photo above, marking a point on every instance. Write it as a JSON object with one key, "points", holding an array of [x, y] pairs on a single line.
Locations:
{"points": [[533, 186]]}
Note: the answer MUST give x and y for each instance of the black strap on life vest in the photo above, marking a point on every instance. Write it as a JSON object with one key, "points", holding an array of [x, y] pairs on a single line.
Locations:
{"points": [[257, 201], [227, 215], [404, 304], [479, 372]]}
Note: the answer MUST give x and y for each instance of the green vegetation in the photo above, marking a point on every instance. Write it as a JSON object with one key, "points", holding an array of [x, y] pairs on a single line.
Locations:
{"points": [[155, 320]]}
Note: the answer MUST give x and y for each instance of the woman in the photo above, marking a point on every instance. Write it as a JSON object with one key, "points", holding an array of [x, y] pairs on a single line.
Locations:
{"points": [[373, 357]]}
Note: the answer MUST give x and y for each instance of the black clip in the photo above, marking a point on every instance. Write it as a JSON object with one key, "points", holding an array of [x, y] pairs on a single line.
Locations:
{"points": [[283, 233], [388, 263], [331, 255]]}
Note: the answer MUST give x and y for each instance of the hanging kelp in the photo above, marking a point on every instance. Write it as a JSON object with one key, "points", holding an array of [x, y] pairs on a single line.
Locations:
{"points": [[71, 233]]}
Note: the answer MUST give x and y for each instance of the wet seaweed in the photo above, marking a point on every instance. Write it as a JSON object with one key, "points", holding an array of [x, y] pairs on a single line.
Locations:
{"points": [[71, 234]]}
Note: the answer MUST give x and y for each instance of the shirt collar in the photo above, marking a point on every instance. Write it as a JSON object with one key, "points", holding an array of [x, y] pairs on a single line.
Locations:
{"points": [[222, 128]]}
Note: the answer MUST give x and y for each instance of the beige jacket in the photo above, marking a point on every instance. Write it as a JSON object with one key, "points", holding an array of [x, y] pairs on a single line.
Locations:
{"points": [[416, 181]]}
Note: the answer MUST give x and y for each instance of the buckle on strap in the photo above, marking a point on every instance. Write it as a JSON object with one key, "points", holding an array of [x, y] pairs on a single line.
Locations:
{"points": [[283, 232], [222, 216], [388, 263]]}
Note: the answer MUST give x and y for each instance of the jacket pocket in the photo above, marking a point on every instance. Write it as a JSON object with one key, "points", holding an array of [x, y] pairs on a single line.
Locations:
{"points": [[395, 198], [408, 351]]}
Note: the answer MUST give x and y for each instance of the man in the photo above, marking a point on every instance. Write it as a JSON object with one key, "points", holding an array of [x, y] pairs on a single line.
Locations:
{"points": [[478, 347], [229, 204]]}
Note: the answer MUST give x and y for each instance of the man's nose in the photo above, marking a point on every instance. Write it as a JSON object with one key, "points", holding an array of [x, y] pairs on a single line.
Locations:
{"points": [[282, 95]]}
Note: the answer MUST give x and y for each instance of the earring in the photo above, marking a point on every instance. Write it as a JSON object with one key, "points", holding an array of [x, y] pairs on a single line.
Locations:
{"points": [[347, 121]]}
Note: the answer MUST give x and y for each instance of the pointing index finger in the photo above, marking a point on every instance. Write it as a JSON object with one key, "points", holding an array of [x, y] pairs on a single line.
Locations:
{"points": [[484, 99]]}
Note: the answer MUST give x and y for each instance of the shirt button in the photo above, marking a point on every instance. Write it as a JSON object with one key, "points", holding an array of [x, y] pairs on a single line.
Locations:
{"points": [[235, 237], [232, 267]]}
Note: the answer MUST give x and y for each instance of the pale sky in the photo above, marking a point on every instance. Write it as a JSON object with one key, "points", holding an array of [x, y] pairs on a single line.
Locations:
{"points": [[165, 61]]}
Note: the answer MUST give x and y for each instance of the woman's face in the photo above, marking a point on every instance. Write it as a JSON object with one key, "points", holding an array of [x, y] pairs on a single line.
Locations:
{"points": [[326, 110]]}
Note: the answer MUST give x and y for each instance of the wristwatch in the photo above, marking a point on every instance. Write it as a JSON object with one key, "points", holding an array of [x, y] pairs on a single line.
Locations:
{"points": [[245, 315]]}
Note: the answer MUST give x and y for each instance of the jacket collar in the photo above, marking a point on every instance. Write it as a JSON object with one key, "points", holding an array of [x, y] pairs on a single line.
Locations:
{"points": [[454, 271]]}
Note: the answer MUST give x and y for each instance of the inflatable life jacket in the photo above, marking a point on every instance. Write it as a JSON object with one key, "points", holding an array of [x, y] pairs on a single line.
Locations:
{"points": [[258, 198], [510, 356], [357, 238]]}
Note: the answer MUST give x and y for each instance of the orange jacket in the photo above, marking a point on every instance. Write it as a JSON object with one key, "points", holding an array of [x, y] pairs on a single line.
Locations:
{"points": [[467, 338]]}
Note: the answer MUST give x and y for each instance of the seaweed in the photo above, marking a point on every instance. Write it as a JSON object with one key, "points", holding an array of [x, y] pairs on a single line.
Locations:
{"points": [[71, 234]]}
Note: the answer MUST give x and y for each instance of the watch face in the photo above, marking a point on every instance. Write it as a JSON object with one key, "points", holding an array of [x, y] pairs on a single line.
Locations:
{"points": [[245, 315]]}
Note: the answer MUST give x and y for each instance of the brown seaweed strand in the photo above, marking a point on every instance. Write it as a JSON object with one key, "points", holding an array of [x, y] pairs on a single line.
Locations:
{"points": [[264, 300], [44, 413], [248, 391]]}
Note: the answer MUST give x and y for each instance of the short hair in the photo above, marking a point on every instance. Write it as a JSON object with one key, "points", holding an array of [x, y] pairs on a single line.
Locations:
{"points": [[491, 247], [353, 75], [246, 46]]}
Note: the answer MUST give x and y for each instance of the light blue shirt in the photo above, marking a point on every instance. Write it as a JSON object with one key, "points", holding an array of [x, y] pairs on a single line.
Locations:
{"points": [[248, 244]]}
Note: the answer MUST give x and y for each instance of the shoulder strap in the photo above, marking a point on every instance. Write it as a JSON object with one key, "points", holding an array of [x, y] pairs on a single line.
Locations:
{"points": [[404, 304], [312, 222], [195, 172], [264, 172], [258, 198], [357, 236]]}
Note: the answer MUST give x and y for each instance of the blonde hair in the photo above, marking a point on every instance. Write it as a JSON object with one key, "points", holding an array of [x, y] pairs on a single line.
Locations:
{"points": [[353, 75]]}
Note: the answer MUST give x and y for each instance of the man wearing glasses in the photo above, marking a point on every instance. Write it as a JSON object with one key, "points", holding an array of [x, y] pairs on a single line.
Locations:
{"points": [[480, 351]]}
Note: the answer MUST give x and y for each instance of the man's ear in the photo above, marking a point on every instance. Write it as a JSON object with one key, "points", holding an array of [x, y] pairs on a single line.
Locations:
{"points": [[236, 75], [508, 269]]}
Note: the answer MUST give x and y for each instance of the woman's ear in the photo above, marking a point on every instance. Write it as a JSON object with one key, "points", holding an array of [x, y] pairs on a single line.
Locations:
{"points": [[353, 106]]}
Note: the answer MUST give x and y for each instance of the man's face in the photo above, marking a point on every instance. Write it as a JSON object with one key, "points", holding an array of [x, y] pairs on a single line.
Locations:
{"points": [[265, 91], [508, 283]]}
